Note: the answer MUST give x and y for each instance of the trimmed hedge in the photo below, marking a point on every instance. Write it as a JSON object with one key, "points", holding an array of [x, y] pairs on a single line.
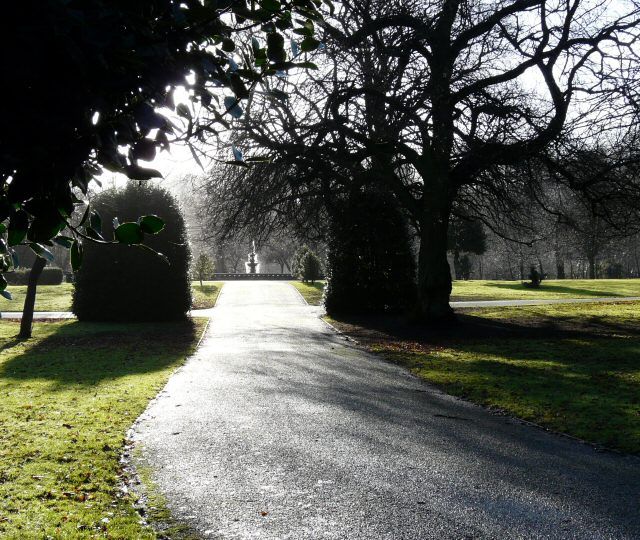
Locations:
{"points": [[370, 265], [127, 283], [50, 276]]}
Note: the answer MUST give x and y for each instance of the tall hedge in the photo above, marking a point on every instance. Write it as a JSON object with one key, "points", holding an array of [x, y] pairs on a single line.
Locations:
{"points": [[370, 264], [126, 283]]}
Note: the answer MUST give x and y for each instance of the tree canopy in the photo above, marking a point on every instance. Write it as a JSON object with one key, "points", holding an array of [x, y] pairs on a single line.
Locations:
{"points": [[447, 103]]}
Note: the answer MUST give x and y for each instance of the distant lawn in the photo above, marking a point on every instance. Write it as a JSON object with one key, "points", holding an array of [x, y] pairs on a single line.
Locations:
{"points": [[68, 397], [205, 296], [58, 297], [557, 288], [312, 293], [48, 298], [572, 368]]}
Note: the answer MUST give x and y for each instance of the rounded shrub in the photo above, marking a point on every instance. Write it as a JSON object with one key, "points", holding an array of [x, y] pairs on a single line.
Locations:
{"points": [[128, 283], [311, 267], [370, 265], [49, 276]]}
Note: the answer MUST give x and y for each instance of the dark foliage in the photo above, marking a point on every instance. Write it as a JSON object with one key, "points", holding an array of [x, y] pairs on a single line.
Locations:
{"points": [[370, 267], [296, 267], [128, 283], [88, 78], [465, 236], [311, 267], [49, 276]]}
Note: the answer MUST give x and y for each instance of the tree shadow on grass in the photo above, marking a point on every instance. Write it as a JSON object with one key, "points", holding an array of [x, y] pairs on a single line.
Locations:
{"points": [[561, 289], [586, 388], [468, 326], [86, 354], [579, 373]]}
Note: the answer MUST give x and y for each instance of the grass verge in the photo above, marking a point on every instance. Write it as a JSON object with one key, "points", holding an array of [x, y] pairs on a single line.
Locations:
{"points": [[564, 288], [571, 368], [205, 295], [58, 297], [68, 397], [311, 292]]}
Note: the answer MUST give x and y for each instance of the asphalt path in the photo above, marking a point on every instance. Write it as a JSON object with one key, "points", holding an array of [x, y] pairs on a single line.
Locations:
{"points": [[280, 428]]}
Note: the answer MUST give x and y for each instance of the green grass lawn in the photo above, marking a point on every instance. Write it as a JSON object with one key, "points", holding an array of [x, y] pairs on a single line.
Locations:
{"points": [[564, 288], [572, 368], [58, 297], [68, 397], [311, 292], [205, 296], [48, 298]]}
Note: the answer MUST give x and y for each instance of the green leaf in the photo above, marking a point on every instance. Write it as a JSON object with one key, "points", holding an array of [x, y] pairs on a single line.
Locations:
{"points": [[307, 65], [64, 241], [129, 233], [156, 253], [135, 172], [92, 233], [95, 222], [275, 47], [76, 255], [42, 251], [309, 44], [3, 228], [46, 226], [237, 153], [151, 224], [144, 149], [18, 226], [233, 107], [183, 110], [270, 5], [228, 45], [85, 216]]}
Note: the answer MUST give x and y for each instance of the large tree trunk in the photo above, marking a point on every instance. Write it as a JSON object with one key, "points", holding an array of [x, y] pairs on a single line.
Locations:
{"points": [[434, 274], [30, 300]]}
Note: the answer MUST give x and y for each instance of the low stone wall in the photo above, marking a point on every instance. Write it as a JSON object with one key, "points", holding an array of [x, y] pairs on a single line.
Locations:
{"points": [[229, 277]]}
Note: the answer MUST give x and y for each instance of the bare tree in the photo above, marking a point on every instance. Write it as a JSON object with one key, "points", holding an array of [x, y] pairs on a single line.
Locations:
{"points": [[444, 102]]}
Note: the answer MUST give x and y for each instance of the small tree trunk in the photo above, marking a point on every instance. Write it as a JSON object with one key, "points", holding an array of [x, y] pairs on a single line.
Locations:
{"points": [[30, 300], [592, 267], [560, 267], [456, 264], [434, 274]]}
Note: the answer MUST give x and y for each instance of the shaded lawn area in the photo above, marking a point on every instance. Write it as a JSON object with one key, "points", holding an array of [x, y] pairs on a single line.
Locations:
{"points": [[559, 288], [205, 295], [571, 368], [58, 297], [311, 292], [68, 397]]}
